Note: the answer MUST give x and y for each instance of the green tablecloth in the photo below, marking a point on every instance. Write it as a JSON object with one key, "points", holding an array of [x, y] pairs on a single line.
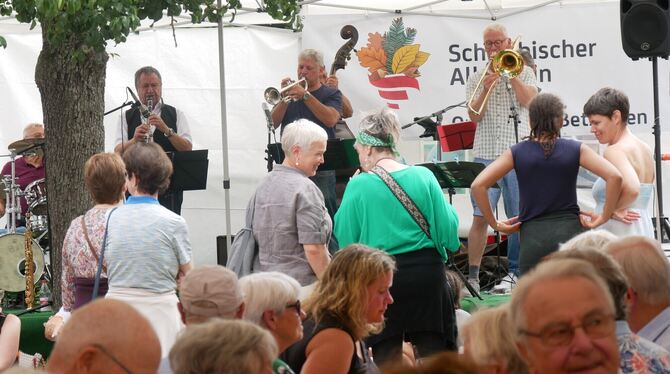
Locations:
{"points": [[471, 304], [32, 333]]}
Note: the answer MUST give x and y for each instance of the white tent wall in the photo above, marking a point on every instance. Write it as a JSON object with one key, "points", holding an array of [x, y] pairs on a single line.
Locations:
{"points": [[254, 58]]}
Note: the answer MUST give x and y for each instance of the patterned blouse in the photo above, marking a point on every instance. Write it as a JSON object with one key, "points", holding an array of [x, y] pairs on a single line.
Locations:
{"points": [[78, 261], [638, 355]]}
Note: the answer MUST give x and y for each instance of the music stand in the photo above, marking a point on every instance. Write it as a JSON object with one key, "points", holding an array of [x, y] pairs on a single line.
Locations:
{"points": [[340, 154], [457, 136], [189, 172]]}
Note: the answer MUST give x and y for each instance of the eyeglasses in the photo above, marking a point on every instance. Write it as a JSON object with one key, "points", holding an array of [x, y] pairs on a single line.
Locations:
{"points": [[111, 357], [295, 306], [496, 43], [561, 334]]}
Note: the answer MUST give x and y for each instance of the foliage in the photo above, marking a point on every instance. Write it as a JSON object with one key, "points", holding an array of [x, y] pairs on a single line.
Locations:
{"points": [[94, 22], [392, 53]]}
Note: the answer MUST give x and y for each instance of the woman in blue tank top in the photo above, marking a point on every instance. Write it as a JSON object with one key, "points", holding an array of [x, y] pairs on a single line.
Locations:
{"points": [[546, 166]]}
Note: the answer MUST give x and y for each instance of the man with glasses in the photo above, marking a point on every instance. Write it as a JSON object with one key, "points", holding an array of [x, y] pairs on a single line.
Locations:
{"points": [[563, 315], [495, 134], [106, 336]]}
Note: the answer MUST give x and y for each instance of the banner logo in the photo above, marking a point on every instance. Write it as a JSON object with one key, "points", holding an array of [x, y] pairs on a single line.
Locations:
{"points": [[393, 62]]}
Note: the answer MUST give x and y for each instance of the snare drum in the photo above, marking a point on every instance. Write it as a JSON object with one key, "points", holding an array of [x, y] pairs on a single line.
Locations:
{"points": [[13, 262], [36, 197]]}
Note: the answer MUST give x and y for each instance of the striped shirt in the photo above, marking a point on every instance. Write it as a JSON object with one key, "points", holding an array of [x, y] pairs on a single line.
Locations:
{"points": [[495, 131], [146, 243]]}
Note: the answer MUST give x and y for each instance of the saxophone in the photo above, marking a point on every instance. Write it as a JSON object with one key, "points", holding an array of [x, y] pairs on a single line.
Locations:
{"points": [[30, 265]]}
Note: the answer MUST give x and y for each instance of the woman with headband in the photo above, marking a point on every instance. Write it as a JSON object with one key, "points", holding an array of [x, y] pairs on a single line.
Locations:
{"points": [[372, 213]]}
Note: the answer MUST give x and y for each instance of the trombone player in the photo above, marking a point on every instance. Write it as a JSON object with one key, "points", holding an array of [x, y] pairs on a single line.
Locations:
{"points": [[317, 102], [494, 95]]}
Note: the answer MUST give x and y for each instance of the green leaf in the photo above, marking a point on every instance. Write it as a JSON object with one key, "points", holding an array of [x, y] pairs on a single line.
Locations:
{"points": [[3, 42]]}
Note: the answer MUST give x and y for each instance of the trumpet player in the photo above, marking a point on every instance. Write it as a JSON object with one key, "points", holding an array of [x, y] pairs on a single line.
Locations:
{"points": [[493, 99], [319, 103], [165, 125]]}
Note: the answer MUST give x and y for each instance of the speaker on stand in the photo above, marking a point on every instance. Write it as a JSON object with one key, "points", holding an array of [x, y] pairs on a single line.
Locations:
{"points": [[645, 32]]}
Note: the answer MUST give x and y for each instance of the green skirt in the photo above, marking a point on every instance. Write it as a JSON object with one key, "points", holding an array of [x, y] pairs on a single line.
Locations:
{"points": [[542, 236]]}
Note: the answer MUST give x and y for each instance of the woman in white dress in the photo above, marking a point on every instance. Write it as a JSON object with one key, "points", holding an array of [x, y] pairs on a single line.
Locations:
{"points": [[608, 112]]}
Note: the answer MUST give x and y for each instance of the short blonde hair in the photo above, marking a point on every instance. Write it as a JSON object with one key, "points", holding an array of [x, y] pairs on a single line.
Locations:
{"points": [[342, 291], [222, 346], [645, 266], [488, 333], [105, 177]]}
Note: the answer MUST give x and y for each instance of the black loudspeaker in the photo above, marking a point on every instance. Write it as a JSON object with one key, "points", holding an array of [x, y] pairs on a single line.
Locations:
{"points": [[645, 26]]}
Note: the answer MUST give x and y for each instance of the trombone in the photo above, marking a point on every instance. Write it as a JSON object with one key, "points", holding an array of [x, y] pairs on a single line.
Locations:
{"points": [[273, 96], [507, 63]]}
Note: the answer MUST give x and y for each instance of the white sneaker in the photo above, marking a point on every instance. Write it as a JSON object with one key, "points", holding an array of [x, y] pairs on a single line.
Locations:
{"points": [[506, 285]]}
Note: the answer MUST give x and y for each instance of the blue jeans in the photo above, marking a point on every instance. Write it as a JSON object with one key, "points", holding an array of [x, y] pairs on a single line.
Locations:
{"points": [[326, 180], [510, 191]]}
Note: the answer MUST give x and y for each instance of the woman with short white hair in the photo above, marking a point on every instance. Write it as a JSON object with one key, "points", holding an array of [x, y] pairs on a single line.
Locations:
{"points": [[291, 224], [271, 301]]}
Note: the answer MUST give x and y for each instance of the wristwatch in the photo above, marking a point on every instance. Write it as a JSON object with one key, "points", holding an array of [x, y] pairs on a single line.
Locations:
{"points": [[306, 96], [169, 133]]}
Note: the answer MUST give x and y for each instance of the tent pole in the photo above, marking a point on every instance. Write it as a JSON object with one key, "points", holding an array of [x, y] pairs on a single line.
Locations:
{"points": [[224, 132]]}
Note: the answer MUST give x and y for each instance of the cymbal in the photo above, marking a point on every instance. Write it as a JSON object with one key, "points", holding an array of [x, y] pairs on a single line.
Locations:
{"points": [[20, 146]]}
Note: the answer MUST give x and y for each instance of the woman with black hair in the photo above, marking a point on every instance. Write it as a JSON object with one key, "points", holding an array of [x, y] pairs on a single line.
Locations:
{"points": [[546, 166]]}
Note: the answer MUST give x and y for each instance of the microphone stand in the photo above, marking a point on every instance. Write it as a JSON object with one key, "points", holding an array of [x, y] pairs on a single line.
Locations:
{"points": [[271, 135], [119, 107], [436, 114], [514, 113]]}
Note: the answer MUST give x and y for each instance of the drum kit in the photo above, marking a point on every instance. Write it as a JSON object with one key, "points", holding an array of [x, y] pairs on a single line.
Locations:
{"points": [[15, 245]]}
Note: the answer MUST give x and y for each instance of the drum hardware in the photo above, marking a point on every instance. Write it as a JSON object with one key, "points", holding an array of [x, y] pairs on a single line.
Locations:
{"points": [[36, 198]]}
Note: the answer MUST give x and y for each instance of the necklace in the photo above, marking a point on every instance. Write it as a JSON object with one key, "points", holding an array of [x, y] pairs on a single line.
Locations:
{"points": [[383, 158]]}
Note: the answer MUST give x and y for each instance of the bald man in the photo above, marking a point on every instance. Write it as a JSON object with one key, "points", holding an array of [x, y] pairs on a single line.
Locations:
{"points": [[106, 336]]}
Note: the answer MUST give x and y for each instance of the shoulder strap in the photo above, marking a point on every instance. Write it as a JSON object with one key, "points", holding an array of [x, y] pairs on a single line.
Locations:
{"points": [[88, 241], [404, 199], [98, 273]]}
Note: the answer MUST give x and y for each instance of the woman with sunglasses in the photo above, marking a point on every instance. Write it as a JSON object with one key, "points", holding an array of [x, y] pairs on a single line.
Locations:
{"points": [[347, 304], [271, 301]]}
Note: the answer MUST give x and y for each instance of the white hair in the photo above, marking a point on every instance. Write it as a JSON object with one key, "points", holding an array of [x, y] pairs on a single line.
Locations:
{"points": [[382, 124], [267, 291], [496, 27], [302, 133], [31, 126], [592, 239], [312, 54]]}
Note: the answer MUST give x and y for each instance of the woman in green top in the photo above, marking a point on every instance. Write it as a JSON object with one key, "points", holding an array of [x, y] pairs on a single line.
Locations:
{"points": [[370, 214]]}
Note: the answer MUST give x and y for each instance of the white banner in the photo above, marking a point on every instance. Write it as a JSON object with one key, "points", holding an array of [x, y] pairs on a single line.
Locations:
{"points": [[577, 50]]}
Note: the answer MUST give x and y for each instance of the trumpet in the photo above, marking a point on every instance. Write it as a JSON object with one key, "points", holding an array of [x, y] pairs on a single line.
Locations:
{"points": [[273, 96], [507, 63]]}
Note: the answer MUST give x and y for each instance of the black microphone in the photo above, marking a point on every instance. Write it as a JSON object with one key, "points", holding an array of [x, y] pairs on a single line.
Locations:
{"points": [[138, 104], [268, 115]]}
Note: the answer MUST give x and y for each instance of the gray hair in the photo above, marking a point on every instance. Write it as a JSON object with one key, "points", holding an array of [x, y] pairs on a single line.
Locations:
{"points": [[496, 27], [31, 126], [608, 269], [147, 70], [382, 124], [312, 54], [223, 346], [302, 133], [592, 239], [645, 265], [606, 101], [267, 291], [551, 270]]}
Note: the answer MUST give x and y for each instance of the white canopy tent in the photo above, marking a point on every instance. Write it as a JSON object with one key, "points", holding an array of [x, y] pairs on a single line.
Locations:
{"points": [[255, 57]]}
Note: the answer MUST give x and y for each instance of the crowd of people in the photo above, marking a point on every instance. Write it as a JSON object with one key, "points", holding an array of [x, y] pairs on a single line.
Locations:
{"points": [[363, 287]]}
